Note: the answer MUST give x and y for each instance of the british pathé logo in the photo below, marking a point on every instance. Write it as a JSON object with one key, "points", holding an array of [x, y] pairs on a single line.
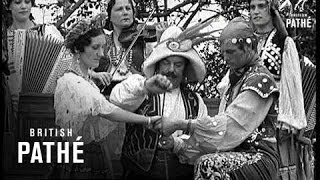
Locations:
{"points": [[299, 18]]}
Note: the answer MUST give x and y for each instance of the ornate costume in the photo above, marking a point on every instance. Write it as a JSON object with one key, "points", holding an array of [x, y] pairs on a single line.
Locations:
{"points": [[280, 56], [142, 156], [241, 139], [252, 144], [77, 102]]}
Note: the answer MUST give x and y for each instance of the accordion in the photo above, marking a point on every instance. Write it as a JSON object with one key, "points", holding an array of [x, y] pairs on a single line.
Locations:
{"points": [[38, 61], [309, 89]]}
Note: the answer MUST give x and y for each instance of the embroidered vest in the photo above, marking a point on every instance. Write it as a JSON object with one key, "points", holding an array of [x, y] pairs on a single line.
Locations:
{"points": [[140, 143], [271, 54], [259, 80]]}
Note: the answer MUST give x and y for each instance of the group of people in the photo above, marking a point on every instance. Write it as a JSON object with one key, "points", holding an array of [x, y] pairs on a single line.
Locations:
{"points": [[163, 127]]}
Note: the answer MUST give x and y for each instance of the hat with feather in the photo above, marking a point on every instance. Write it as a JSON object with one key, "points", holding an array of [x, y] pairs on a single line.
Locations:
{"points": [[176, 42]]}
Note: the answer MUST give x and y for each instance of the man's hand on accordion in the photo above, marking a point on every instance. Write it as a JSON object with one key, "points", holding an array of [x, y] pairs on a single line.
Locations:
{"points": [[101, 77]]}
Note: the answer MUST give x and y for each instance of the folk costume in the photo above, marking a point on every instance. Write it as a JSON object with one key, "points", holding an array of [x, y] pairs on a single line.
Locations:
{"points": [[15, 45], [142, 157], [279, 54], [77, 103], [241, 138], [133, 61]]}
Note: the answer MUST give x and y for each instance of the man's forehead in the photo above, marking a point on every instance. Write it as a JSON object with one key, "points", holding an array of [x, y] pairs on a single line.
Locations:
{"points": [[175, 59], [258, 1]]}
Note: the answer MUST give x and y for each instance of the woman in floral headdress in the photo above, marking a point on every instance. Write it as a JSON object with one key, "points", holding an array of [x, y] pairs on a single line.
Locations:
{"points": [[79, 105]]}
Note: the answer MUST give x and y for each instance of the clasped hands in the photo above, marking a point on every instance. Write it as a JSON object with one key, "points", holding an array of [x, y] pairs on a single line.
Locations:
{"points": [[158, 84], [166, 127]]}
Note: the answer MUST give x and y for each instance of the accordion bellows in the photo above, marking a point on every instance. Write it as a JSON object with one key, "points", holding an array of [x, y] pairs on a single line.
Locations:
{"points": [[38, 61]]}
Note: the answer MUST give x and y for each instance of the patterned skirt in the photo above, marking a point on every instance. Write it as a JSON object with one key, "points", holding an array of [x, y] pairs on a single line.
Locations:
{"points": [[95, 166], [237, 165]]}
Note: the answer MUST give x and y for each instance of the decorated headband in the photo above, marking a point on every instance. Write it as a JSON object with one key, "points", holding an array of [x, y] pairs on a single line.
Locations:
{"points": [[83, 26], [241, 40], [238, 31]]}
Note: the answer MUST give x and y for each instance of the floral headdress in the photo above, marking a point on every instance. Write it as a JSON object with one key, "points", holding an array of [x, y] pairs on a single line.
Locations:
{"points": [[82, 27]]}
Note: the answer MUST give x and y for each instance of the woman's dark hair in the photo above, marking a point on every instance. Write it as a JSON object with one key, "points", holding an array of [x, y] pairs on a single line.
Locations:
{"points": [[9, 19], [10, 1], [109, 8], [85, 40]]}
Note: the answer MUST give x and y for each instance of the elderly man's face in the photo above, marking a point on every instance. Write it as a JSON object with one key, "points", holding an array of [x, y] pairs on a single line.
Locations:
{"points": [[233, 55], [260, 13], [173, 67]]}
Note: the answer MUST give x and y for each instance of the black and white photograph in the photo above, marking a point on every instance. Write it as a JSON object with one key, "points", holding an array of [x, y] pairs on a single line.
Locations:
{"points": [[158, 89]]}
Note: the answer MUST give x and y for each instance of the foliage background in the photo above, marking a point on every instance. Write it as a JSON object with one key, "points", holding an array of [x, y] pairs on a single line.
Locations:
{"points": [[184, 13]]}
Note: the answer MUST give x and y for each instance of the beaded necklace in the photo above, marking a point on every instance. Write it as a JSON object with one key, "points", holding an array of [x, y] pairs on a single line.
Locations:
{"points": [[116, 59], [262, 37]]}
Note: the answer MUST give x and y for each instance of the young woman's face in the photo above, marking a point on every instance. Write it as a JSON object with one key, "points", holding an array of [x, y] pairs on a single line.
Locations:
{"points": [[20, 10], [260, 12], [93, 53], [122, 14]]}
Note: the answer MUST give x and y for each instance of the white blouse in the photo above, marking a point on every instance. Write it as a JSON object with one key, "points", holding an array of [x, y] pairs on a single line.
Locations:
{"points": [[77, 104]]}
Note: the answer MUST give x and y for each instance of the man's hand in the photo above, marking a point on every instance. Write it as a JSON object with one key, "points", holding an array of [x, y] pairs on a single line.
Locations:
{"points": [[166, 142], [158, 84], [167, 126]]}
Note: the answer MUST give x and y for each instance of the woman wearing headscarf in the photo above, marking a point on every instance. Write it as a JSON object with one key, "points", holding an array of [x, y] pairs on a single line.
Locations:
{"points": [[123, 25]]}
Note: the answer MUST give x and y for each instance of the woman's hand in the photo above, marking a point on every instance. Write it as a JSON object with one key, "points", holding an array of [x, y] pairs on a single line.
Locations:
{"points": [[155, 119], [103, 77], [152, 120], [168, 126]]}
